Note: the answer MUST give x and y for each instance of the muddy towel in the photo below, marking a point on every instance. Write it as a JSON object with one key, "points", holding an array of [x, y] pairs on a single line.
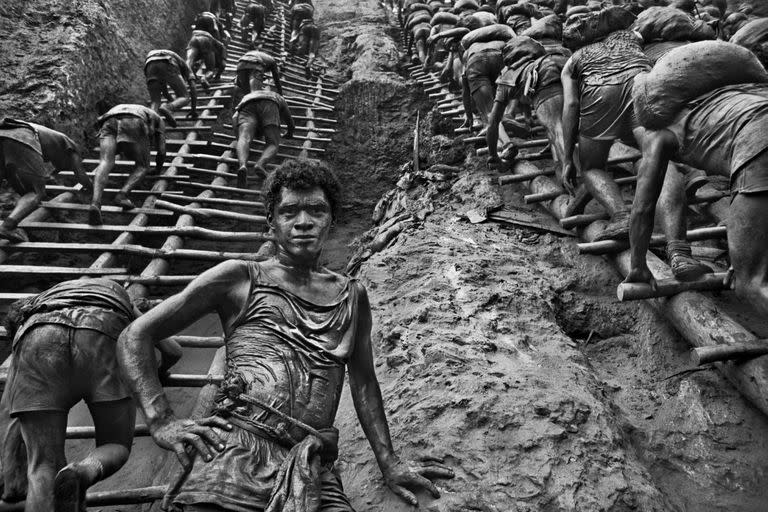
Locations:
{"points": [[297, 486]]}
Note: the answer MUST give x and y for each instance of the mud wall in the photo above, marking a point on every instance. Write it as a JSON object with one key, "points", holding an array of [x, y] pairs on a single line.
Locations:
{"points": [[62, 60]]}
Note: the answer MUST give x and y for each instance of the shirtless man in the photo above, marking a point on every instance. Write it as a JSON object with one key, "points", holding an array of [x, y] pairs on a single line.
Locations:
{"points": [[251, 69], [203, 48], [299, 10], [253, 22], [722, 133], [128, 130], [63, 352], [533, 75], [597, 110], [292, 329], [309, 44], [482, 66], [225, 9], [259, 114], [24, 149], [164, 68]]}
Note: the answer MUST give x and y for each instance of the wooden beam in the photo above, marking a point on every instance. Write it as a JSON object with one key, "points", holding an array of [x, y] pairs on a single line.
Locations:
{"points": [[190, 231], [669, 287], [729, 352]]}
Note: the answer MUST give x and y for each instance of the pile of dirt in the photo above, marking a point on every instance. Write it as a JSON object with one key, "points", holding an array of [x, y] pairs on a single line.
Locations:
{"points": [[63, 60]]}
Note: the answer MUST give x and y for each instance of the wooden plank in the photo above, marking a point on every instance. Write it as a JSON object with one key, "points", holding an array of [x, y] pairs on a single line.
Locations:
{"points": [[191, 231], [669, 287], [56, 271]]}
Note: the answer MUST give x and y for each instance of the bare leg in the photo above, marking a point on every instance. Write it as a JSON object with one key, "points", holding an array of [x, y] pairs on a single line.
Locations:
{"points": [[192, 56], [43, 434], [107, 151], [593, 154], [550, 115], [181, 92], [245, 133], [155, 89], [272, 138], [483, 99], [748, 247], [114, 423], [140, 154], [13, 454]]}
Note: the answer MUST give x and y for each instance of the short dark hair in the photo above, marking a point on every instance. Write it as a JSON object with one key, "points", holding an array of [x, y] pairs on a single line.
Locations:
{"points": [[303, 174]]}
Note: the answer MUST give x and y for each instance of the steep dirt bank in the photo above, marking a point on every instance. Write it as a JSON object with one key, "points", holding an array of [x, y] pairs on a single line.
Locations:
{"points": [[61, 59], [376, 111]]}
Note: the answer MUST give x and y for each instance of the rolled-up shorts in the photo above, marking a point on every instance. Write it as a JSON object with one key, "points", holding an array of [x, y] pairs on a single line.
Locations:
{"points": [[483, 68], [128, 128], [161, 73], [262, 113], [607, 112], [22, 166], [752, 177], [56, 366]]}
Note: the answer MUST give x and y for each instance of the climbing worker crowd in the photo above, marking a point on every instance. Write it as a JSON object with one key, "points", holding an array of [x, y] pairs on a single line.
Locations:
{"points": [[681, 81]]}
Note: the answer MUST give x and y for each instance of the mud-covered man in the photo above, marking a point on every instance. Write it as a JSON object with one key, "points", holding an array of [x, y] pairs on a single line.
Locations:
{"points": [[532, 75], [128, 130], [24, 149], [253, 22], [252, 68], [292, 329], [164, 69], [205, 49], [309, 44], [299, 10], [723, 133], [64, 351], [260, 114]]}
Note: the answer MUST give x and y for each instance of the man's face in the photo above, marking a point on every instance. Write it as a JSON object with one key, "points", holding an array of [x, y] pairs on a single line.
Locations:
{"points": [[301, 221]]}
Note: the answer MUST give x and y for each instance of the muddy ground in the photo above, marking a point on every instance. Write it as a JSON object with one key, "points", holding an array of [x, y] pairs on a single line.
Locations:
{"points": [[501, 349]]}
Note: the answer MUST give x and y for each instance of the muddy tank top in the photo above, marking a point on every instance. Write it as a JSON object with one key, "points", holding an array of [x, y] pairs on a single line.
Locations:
{"points": [[290, 352]]}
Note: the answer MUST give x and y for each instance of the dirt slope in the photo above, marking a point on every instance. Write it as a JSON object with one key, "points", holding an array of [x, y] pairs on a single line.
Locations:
{"points": [[62, 58]]}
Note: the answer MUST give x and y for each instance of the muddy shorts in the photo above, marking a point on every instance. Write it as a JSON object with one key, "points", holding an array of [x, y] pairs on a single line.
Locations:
{"points": [[128, 129], [262, 113], [162, 73], [21, 166], [752, 177], [240, 478], [483, 68], [243, 77], [57, 365], [607, 112]]}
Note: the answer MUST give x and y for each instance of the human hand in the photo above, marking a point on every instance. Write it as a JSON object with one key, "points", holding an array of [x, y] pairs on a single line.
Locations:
{"points": [[179, 434], [400, 477], [569, 177], [467, 122]]}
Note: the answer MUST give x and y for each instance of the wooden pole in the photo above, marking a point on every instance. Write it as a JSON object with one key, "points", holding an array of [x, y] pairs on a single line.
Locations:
{"points": [[669, 287], [731, 352], [612, 246]]}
